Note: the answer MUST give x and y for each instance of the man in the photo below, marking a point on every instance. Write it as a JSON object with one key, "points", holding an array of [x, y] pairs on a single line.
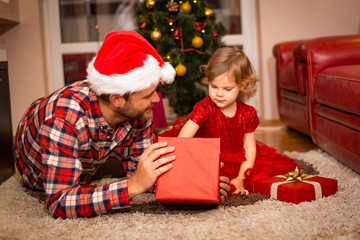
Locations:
{"points": [[64, 138]]}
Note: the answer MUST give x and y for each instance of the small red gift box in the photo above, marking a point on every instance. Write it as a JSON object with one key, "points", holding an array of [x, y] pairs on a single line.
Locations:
{"points": [[194, 177], [312, 188]]}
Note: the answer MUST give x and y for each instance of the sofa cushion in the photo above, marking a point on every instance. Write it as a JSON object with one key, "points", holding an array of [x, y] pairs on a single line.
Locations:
{"points": [[287, 78], [339, 87]]}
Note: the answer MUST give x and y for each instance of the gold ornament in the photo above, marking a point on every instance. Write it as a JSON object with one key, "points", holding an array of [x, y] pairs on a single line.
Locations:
{"points": [[155, 35], [185, 7], [197, 42], [150, 4], [208, 12], [180, 70], [296, 175]]}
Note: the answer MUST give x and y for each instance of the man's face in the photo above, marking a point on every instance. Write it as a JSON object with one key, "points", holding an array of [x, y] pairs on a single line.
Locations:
{"points": [[139, 105]]}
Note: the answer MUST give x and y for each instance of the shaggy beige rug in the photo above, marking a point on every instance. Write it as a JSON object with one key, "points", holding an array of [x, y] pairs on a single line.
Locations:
{"points": [[23, 215]]}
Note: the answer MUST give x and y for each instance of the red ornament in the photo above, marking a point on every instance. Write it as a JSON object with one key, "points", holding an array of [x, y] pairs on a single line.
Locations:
{"points": [[176, 34], [143, 25], [200, 26], [215, 35], [172, 7]]}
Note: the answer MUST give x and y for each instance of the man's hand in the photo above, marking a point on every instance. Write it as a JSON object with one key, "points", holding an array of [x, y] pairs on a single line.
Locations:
{"points": [[151, 165], [224, 187]]}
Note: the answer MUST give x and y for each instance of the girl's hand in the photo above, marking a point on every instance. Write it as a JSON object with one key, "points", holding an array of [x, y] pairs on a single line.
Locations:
{"points": [[239, 187]]}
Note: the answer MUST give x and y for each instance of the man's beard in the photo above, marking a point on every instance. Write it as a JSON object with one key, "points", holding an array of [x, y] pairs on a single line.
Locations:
{"points": [[128, 111]]}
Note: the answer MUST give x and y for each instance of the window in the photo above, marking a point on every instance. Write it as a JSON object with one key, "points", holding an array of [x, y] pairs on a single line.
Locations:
{"points": [[75, 27]]}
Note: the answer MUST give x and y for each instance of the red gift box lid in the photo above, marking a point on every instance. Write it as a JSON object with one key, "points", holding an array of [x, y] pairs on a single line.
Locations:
{"points": [[194, 177]]}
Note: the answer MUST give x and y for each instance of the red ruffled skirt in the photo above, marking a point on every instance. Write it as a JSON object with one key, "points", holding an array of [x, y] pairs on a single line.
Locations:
{"points": [[268, 163]]}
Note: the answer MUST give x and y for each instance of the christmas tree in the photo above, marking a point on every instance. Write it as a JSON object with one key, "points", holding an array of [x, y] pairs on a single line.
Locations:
{"points": [[186, 34]]}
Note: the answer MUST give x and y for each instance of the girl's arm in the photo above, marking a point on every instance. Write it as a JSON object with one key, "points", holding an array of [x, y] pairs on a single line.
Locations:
{"points": [[250, 153], [189, 129]]}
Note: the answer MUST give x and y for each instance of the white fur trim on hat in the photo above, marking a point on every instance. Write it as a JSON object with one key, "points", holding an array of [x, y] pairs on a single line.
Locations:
{"points": [[138, 79]]}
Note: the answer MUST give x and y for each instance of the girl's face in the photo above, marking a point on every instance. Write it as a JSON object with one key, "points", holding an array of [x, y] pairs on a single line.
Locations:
{"points": [[223, 92]]}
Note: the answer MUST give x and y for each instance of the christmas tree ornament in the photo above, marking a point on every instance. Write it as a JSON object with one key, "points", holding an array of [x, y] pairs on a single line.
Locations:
{"points": [[176, 34], [215, 35], [180, 70], [150, 4], [208, 12], [186, 7], [142, 22], [200, 26], [197, 42], [172, 7], [178, 22], [143, 25], [156, 35]]}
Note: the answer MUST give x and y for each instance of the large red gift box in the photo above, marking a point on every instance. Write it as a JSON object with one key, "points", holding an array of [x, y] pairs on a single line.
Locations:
{"points": [[194, 177], [312, 188]]}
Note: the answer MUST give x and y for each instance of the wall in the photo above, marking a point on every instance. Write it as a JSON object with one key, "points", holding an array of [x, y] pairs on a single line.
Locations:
{"points": [[282, 20], [24, 44], [278, 20], [9, 15]]}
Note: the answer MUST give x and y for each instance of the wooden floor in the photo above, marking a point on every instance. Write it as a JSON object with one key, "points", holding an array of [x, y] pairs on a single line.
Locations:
{"points": [[278, 136]]}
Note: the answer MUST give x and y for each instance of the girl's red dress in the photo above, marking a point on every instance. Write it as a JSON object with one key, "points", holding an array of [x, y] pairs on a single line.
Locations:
{"points": [[231, 130]]}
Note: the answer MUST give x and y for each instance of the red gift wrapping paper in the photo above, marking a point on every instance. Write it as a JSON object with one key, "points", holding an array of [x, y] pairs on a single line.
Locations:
{"points": [[313, 187], [194, 177]]}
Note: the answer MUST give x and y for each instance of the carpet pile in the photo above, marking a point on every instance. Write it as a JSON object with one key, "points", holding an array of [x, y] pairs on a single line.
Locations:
{"points": [[23, 214]]}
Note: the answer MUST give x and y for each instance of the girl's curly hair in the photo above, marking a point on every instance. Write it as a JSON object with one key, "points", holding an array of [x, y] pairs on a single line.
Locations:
{"points": [[233, 62]]}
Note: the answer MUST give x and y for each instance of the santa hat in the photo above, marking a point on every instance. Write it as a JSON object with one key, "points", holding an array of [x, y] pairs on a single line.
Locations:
{"points": [[127, 63]]}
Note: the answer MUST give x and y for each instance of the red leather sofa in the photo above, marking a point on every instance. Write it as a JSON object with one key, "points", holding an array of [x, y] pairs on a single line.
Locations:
{"points": [[292, 97], [329, 67]]}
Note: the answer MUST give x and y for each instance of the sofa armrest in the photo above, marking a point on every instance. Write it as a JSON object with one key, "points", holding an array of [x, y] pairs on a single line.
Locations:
{"points": [[300, 68], [325, 52], [283, 52]]}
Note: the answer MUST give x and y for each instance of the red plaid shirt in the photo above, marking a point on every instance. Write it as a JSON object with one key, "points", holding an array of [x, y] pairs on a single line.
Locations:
{"points": [[63, 139]]}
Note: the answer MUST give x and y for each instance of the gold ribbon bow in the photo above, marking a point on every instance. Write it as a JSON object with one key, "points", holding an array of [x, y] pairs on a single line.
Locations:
{"points": [[296, 175]]}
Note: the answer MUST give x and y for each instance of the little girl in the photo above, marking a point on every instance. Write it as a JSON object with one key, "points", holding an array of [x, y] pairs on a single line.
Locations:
{"points": [[230, 76]]}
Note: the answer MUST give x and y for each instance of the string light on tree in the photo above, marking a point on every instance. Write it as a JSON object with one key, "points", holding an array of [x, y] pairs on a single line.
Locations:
{"points": [[171, 26]]}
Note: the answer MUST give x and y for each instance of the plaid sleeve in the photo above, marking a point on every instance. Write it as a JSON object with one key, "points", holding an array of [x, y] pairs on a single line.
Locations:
{"points": [[65, 198]]}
